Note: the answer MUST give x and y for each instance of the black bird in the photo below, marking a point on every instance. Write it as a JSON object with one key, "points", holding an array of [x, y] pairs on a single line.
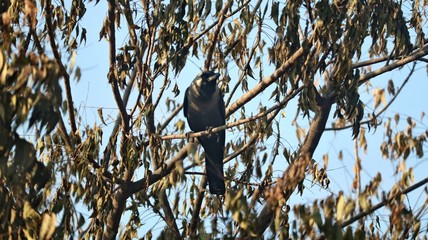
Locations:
{"points": [[204, 109]]}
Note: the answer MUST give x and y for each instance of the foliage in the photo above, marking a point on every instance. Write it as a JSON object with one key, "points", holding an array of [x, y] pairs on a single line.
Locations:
{"points": [[305, 56]]}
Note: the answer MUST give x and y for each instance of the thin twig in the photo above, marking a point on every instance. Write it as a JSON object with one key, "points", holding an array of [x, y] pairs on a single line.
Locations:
{"points": [[216, 34], [64, 73], [252, 52], [383, 203]]}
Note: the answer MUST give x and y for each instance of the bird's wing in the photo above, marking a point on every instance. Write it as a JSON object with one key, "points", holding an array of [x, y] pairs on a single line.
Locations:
{"points": [[222, 107], [186, 94]]}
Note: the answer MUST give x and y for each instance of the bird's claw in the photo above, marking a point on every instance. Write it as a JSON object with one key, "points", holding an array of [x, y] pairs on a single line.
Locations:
{"points": [[188, 137], [209, 130]]}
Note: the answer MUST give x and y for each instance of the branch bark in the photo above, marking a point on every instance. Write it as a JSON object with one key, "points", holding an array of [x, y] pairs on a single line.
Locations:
{"points": [[415, 56], [119, 198], [296, 172], [197, 208]]}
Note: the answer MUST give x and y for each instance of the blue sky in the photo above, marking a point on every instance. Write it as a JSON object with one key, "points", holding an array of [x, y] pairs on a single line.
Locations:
{"points": [[93, 92]]}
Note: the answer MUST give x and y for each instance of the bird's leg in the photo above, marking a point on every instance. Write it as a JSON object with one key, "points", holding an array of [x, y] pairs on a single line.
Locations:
{"points": [[209, 130], [189, 138]]}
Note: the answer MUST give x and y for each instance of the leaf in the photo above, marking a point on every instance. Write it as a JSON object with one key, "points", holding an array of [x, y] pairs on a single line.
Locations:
{"points": [[100, 114], [176, 90], [340, 208], [48, 226], [275, 12], [218, 6], [391, 88], [29, 213]]}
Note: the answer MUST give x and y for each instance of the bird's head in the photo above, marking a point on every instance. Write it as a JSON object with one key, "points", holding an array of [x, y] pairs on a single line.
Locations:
{"points": [[205, 83]]}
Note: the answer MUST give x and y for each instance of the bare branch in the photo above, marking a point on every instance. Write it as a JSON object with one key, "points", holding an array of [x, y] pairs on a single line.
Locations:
{"points": [[413, 57], [112, 75]]}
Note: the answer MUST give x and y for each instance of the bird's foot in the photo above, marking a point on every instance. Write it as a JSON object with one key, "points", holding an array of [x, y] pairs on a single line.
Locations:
{"points": [[209, 130], [189, 138]]}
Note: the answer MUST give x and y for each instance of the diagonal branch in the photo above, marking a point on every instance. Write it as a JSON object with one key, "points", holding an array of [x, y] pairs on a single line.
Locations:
{"points": [[295, 173], [383, 203], [262, 85], [216, 34], [64, 73], [399, 63], [275, 107]]}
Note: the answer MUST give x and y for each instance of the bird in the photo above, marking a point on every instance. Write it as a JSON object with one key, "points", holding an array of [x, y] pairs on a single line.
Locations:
{"points": [[204, 109]]}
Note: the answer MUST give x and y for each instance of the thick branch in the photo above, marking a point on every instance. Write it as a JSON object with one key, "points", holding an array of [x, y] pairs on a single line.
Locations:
{"points": [[417, 55], [114, 216], [295, 173]]}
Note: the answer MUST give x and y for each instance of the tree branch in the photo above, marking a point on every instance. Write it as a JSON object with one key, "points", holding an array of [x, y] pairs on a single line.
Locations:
{"points": [[295, 173], [119, 198], [64, 73], [375, 116], [112, 75], [383, 203], [197, 207], [413, 57], [216, 34], [262, 85], [236, 123]]}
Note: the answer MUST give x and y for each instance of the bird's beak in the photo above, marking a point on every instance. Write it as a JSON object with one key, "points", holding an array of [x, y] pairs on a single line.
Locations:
{"points": [[214, 77]]}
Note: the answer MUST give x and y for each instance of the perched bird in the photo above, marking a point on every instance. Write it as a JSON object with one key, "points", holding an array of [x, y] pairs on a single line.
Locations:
{"points": [[204, 109]]}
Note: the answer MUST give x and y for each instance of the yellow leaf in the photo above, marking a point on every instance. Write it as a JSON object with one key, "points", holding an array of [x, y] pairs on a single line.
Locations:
{"points": [[48, 226], [72, 60], [340, 207], [30, 213]]}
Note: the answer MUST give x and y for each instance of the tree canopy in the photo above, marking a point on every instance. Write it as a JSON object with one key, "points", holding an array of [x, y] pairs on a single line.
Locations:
{"points": [[295, 75]]}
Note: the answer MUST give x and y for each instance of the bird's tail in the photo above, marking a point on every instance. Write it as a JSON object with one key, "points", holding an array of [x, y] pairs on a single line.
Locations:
{"points": [[214, 153]]}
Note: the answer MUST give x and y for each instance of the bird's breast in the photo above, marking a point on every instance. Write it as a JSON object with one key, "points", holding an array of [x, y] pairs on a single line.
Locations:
{"points": [[204, 113]]}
